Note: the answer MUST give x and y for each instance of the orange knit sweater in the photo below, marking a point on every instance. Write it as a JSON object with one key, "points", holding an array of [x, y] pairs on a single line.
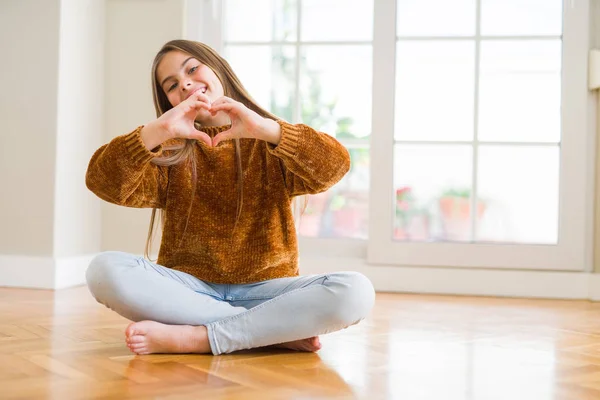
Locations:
{"points": [[263, 245]]}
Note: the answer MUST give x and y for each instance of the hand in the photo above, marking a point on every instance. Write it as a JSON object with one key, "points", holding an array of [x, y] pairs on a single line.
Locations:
{"points": [[245, 123], [178, 122]]}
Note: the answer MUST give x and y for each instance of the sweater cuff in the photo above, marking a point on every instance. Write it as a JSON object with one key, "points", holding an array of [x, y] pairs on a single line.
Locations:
{"points": [[288, 144], [137, 149]]}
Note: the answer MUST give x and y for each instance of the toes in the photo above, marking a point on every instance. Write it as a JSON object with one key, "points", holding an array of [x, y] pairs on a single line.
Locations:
{"points": [[312, 344], [130, 329], [136, 339], [317, 343], [137, 344], [310, 347], [137, 328], [139, 349]]}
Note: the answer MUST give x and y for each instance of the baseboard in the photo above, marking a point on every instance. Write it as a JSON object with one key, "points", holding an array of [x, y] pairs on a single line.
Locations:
{"points": [[594, 287], [70, 271], [27, 272], [43, 272], [52, 273], [465, 281]]}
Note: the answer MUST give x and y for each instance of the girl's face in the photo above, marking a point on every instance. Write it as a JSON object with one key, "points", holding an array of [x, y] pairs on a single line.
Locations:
{"points": [[179, 75]]}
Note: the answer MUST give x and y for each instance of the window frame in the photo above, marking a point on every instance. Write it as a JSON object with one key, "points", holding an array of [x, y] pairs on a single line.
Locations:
{"points": [[574, 250]]}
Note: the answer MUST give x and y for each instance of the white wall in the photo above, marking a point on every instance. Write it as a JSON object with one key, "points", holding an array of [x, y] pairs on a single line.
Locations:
{"points": [[28, 104], [51, 112], [595, 23], [80, 127], [595, 43], [135, 31], [75, 73]]}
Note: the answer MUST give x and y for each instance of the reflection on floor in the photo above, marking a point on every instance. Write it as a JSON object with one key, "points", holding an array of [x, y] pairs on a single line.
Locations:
{"points": [[64, 345]]}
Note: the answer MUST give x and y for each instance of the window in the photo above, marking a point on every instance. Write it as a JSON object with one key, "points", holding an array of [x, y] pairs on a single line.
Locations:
{"points": [[477, 98], [305, 64], [466, 122]]}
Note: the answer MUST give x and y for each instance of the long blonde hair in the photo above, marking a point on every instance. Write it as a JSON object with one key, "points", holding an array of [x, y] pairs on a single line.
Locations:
{"points": [[232, 88]]}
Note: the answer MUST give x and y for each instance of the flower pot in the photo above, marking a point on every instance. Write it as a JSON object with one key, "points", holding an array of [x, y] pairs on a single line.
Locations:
{"points": [[455, 213]]}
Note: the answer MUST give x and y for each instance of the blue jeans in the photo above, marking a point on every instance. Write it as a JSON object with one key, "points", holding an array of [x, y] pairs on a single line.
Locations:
{"points": [[237, 317]]}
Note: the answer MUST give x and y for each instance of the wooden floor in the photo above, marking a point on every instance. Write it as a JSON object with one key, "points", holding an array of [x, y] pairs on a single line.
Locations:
{"points": [[63, 345]]}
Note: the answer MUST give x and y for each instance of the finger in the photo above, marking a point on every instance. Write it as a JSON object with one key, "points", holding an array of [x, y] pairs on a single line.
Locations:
{"points": [[191, 110], [201, 136], [224, 100], [200, 104], [192, 105], [225, 135], [222, 107], [198, 95]]}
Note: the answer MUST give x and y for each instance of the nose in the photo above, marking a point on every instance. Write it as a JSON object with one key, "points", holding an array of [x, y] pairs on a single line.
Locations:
{"points": [[186, 84]]}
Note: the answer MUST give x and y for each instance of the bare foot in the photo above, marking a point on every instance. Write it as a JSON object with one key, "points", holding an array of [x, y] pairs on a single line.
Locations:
{"points": [[147, 337], [311, 344]]}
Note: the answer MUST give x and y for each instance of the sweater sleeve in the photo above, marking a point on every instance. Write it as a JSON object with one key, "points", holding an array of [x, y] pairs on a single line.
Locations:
{"points": [[120, 172], [313, 161]]}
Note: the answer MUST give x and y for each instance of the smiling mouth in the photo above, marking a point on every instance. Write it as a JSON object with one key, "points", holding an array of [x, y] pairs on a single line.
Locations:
{"points": [[201, 90]]}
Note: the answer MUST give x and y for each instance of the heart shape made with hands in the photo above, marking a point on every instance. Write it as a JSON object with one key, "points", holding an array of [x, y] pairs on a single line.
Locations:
{"points": [[245, 123]]}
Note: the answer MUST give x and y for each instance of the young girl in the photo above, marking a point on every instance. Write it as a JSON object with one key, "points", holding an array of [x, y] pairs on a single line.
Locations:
{"points": [[223, 172]]}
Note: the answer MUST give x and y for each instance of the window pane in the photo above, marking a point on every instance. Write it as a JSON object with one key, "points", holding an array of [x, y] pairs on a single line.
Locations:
{"points": [[267, 72], [518, 188], [519, 91], [329, 20], [335, 89], [342, 211], [434, 90], [436, 17], [432, 189], [272, 20], [521, 17]]}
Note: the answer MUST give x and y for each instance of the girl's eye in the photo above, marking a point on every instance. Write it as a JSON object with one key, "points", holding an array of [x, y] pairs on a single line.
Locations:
{"points": [[172, 87], [193, 69]]}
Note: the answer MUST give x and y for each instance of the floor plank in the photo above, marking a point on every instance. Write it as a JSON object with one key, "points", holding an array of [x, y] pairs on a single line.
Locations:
{"points": [[64, 345]]}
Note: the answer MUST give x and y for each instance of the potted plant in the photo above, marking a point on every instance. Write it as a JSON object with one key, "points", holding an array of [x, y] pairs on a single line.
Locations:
{"points": [[455, 213], [412, 221]]}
